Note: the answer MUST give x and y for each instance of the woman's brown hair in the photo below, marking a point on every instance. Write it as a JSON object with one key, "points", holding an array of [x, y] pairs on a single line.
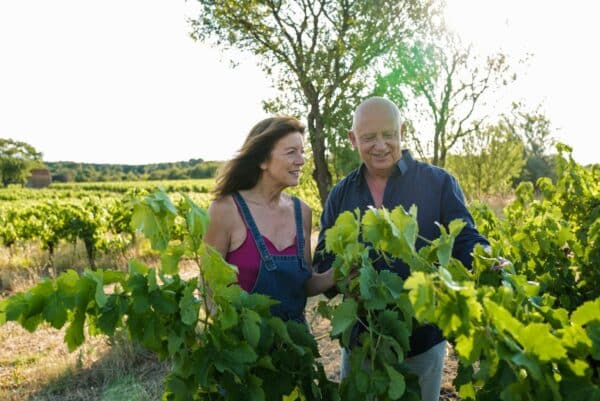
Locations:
{"points": [[243, 171]]}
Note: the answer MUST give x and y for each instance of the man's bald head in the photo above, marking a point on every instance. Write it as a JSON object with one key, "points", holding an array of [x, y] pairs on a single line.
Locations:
{"points": [[378, 105]]}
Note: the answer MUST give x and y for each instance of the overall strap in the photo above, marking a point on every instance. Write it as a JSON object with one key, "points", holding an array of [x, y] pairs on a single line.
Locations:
{"points": [[299, 226], [256, 235]]}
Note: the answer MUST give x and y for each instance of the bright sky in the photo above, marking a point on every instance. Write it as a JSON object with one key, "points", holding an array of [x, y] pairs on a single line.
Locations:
{"points": [[120, 81]]}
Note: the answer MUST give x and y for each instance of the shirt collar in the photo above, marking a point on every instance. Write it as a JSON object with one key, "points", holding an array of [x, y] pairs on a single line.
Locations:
{"points": [[403, 164]]}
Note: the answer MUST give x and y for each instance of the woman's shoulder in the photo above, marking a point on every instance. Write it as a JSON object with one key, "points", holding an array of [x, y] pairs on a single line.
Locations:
{"points": [[305, 209], [222, 207]]}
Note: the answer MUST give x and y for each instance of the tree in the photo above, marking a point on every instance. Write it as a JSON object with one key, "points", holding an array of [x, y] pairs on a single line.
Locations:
{"points": [[443, 83], [535, 130], [490, 159], [16, 160], [322, 55]]}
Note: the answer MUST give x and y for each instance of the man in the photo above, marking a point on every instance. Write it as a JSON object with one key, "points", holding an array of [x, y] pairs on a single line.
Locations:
{"points": [[389, 176]]}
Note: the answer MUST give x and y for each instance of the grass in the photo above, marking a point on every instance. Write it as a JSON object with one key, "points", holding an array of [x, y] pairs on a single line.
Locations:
{"points": [[37, 366]]}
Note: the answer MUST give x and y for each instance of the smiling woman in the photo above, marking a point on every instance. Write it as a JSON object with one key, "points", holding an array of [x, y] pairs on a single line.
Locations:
{"points": [[259, 228]]}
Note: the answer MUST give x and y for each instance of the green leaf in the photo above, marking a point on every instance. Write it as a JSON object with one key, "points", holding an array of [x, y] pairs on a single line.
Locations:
{"points": [[154, 216], [229, 317], [280, 329], [74, 335], [98, 278], [466, 392], [255, 391], [392, 325], [215, 270], [67, 283], [151, 280], [112, 276], [164, 302], [267, 362], [137, 267], [178, 388], [393, 282], [469, 347], [251, 327], [141, 304], [169, 258], [175, 341], [55, 311], [189, 305], [593, 332], [421, 294], [537, 339], [110, 315], [344, 231], [397, 385], [444, 246], [344, 316], [197, 221], [587, 312], [533, 367], [151, 338], [15, 306]]}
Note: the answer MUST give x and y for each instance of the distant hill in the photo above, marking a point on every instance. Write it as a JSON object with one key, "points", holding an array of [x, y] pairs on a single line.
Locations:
{"points": [[64, 171]]}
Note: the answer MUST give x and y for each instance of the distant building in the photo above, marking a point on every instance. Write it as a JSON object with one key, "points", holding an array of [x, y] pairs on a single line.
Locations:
{"points": [[40, 178]]}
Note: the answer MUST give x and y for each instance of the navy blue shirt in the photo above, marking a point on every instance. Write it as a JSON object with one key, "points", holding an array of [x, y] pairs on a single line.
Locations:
{"points": [[438, 198]]}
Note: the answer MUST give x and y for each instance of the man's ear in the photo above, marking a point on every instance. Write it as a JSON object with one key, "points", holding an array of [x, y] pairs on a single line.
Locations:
{"points": [[352, 138]]}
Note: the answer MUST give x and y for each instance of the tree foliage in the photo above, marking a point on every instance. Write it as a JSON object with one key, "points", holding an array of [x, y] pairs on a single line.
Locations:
{"points": [[322, 55], [16, 160], [64, 171], [443, 84], [535, 130], [490, 159]]}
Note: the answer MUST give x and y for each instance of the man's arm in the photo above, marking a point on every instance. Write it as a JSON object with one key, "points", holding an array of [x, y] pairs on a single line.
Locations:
{"points": [[453, 206]]}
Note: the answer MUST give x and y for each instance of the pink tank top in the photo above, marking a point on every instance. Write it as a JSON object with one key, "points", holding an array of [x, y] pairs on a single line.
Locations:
{"points": [[247, 259]]}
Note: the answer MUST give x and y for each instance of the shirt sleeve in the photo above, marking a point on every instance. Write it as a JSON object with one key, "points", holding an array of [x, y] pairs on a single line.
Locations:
{"points": [[454, 207]]}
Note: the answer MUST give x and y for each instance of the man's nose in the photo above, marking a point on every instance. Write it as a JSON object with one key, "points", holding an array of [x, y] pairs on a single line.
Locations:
{"points": [[380, 143]]}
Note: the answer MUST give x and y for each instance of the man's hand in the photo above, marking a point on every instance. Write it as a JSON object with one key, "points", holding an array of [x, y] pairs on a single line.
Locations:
{"points": [[501, 264]]}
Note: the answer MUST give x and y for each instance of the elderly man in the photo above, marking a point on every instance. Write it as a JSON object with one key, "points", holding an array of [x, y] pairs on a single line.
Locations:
{"points": [[389, 177]]}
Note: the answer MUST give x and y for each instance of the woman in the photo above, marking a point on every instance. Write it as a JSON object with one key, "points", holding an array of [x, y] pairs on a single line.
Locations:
{"points": [[261, 229]]}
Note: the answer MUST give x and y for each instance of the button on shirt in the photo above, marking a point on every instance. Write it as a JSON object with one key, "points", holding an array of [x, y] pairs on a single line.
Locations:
{"points": [[438, 198]]}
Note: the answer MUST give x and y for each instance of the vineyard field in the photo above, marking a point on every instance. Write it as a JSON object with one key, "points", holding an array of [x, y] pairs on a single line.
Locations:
{"points": [[523, 330]]}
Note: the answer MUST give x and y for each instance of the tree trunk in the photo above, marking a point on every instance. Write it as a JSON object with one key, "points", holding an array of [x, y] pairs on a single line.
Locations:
{"points": [[436, 148], [90, 249], [317, 141]]}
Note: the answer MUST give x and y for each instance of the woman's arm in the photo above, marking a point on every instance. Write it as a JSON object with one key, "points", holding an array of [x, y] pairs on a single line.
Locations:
{"points": [[218, 234], [318, 282]]}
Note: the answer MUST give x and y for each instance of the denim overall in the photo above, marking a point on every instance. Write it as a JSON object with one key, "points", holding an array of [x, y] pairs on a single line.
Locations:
{"points": [[282, 277]]}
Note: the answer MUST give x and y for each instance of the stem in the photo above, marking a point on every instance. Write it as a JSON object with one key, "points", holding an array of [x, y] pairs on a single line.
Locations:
{"points": [[203, 291]]}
